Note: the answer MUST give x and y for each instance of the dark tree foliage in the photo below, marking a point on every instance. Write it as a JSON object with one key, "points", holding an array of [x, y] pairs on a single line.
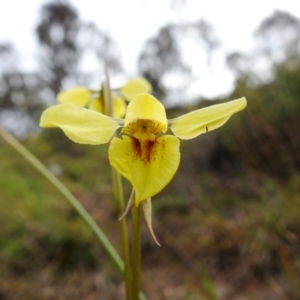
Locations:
{"points": [[162, 55], [208, 36], [277, 41], [269, 126], [65, 40], [57, 34], [239, 64], [279, 36], [105, 49], [19, 101], [7, 67]]}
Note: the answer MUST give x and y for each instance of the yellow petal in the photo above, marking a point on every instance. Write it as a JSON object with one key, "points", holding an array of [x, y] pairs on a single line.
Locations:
{"points": [[78, 96], [81, 125], [206, 119], [119, 107], [145, 106], [148, 171], [134, 87], [96, 105]]}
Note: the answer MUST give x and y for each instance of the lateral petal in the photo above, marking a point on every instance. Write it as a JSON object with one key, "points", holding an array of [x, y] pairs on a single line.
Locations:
{"points": [[81, 125], [96, 105], [148, 172], [119, 107], [78, 96], [206, 119]]}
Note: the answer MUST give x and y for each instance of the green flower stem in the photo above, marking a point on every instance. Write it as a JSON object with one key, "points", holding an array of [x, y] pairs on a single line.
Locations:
{"points": [[108, 103], [102, 239], [119, 195], [118, 188], [136, 251]]}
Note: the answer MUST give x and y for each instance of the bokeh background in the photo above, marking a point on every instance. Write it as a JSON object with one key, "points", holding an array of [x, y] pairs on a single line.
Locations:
{"points": [[229, 221]]}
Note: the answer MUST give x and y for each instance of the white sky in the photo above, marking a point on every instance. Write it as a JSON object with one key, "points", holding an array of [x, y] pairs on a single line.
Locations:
{"points": [[132, 22]]}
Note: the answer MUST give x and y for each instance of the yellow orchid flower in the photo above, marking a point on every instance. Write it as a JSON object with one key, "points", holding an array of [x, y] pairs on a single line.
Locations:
{"points": [[134, 87], [144, 153], [92, 99], [79, 96]]}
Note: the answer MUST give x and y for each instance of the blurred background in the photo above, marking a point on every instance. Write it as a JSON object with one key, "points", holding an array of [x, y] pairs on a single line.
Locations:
{"points": [[229, 221]]}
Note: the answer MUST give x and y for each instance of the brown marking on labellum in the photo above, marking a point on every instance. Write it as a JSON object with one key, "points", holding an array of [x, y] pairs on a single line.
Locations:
{"points": [[149, 148], [136, 148], [143, 150]]}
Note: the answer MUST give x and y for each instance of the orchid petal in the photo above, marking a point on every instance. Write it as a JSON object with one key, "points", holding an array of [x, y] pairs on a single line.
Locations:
{"points": [[145, 106], [149, 167], [96, 105], [81, 125], [206, 119], [119, 107], [78, 96], [134, 87]]}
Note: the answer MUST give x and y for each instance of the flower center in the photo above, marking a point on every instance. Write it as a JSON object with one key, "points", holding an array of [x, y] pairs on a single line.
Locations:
{"points": [[143, 134], [144, 129]]}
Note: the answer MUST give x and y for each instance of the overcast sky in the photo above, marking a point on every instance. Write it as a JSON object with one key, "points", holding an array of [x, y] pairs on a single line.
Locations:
{"points": [[132, 22]]}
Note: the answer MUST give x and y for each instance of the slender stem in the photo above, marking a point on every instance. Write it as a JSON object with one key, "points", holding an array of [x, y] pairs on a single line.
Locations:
{"points": [[119, 195], [102, 239], [108, 101], [118, 188], [136, 251]]}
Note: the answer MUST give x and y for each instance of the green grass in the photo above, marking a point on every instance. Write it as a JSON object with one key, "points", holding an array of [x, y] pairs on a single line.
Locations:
{"points": [[221, 223]]}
